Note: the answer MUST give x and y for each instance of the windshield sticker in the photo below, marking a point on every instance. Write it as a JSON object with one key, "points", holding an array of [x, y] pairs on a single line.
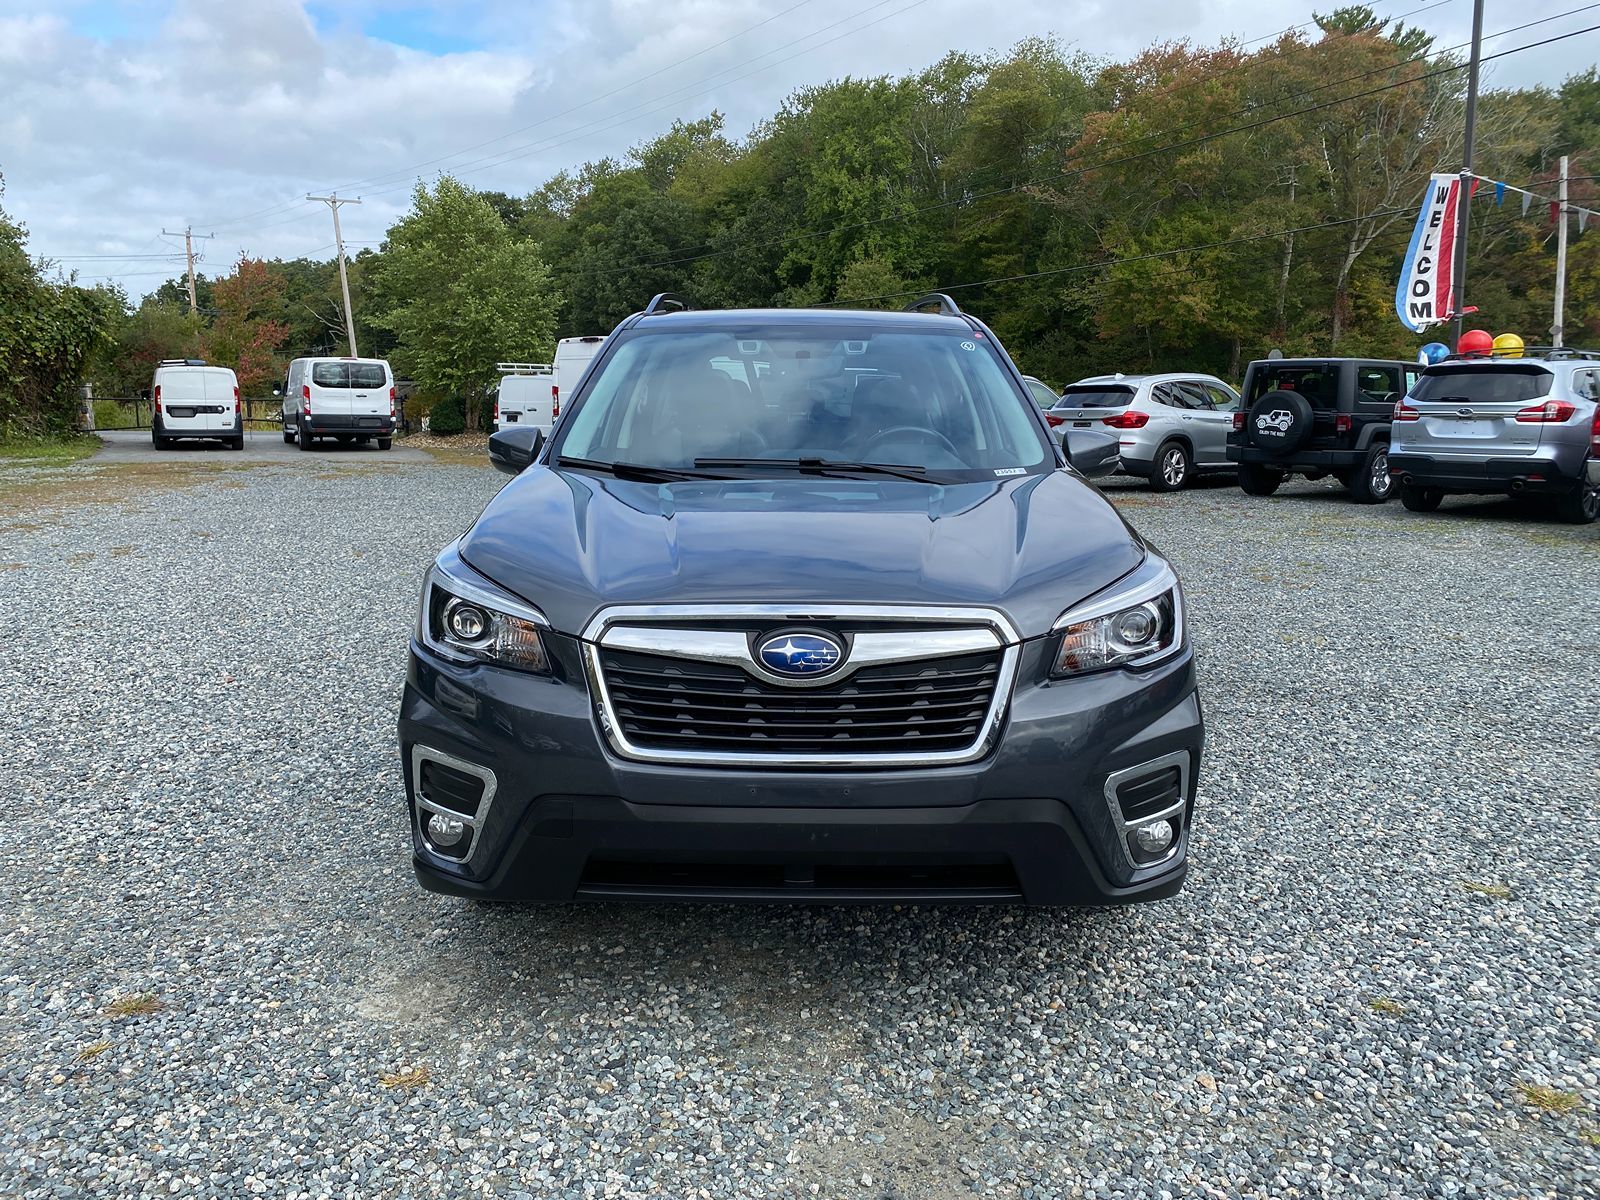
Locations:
{"points": [[1011, 471], [969, 345]]}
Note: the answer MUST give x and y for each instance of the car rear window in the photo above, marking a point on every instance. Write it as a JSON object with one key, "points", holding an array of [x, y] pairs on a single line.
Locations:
{"points": [[1500, 383], [1095, 396], [1318, 382], [348, 375]]}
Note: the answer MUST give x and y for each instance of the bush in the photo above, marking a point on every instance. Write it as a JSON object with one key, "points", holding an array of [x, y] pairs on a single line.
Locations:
{"points": [[446, 417], [108, 414]]}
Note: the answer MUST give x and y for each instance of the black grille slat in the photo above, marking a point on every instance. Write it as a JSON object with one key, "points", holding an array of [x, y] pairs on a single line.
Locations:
{"points": [[1149, 794], [452, 789], [926, 706]]}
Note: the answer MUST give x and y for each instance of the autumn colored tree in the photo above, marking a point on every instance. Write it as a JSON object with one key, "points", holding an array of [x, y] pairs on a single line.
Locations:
{"points": [[246, 332]]}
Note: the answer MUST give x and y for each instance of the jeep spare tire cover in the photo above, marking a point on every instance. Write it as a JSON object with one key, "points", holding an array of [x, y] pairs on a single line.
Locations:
{"points": [[1279, 421]]}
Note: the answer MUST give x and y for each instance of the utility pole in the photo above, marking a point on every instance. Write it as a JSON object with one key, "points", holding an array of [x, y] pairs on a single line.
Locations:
{"points": [[188, 252], [333, 201], [1464, 192], [1561, 257]]}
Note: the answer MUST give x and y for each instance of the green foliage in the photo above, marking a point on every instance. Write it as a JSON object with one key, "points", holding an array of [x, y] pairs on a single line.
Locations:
{"points": [[49, 329], [460, 294], [158, 329], [446, 417]]}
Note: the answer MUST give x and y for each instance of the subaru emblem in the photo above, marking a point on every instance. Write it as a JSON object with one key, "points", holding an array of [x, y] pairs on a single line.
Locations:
{"points": [[800, 654]]}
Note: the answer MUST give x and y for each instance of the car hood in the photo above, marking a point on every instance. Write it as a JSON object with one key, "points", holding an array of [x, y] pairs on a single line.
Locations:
{"points": [[571, 543]]}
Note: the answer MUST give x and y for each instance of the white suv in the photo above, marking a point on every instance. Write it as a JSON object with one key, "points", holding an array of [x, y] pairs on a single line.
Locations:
{"points": [[1170, 426]]}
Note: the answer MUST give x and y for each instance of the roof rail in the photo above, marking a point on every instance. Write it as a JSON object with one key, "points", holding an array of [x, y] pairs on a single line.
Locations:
{"points": [[1546, 352], [516, 368], [662, 301], [947, 306]]}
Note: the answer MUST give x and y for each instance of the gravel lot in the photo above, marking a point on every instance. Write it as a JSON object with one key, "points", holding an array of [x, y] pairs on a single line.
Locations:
{"points": [[1387, 946]]}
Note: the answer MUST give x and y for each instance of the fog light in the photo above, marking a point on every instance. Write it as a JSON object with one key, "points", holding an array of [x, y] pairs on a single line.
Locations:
{"points": [[1155, 837], [445, 831]]}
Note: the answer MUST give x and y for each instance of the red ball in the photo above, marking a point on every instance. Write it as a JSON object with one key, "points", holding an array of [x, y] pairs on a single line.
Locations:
{"points": [[1475, 341]]}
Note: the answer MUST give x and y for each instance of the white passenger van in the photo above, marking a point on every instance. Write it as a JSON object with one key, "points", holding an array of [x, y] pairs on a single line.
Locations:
{"points": [[573, 356], [194, 400], [526, 395], [351, 399]]}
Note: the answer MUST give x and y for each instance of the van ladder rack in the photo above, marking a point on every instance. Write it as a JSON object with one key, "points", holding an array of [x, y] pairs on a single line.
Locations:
{"points": [[516, 368], [947, 306]]}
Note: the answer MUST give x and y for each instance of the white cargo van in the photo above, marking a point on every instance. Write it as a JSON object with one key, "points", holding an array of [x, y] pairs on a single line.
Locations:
{"points": [[573, 356], [351, 399], [526, 396], [194, 400]]}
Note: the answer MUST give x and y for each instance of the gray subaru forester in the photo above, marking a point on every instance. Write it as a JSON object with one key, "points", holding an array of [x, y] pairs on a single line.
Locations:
{"points": [[1503, 426]]}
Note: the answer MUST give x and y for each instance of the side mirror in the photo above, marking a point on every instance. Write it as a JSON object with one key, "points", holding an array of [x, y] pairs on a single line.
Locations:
{"points": [[514, 448], [144, 394], [1092, 454]]}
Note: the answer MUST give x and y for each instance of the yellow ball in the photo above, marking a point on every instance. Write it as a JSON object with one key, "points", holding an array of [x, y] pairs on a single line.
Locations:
{"points": [[1507, 345]]}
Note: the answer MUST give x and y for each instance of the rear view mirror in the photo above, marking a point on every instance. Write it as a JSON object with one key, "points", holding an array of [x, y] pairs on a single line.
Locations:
{"points": [[144, 394], [514, 448], [1091, 453]]}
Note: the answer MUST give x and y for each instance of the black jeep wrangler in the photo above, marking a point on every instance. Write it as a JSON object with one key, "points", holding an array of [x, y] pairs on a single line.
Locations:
{"points": [[1316, 417]]}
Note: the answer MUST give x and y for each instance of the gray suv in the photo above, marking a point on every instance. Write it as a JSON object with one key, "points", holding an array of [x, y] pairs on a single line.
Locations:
{"points": [[1170, 427], [1507, 426], [801, 605]]}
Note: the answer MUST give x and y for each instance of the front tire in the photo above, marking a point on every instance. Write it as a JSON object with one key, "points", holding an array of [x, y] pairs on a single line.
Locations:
{"points": [[1172, 468], [1372, 483], [1580, 507], [1256, 480]]}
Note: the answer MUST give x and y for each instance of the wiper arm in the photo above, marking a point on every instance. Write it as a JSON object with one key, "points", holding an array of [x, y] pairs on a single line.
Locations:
{"points": [[824, 466], [638, 472]]}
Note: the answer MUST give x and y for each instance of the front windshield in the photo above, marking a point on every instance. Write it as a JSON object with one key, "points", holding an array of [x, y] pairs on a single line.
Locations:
{"points": [[935, 402]]}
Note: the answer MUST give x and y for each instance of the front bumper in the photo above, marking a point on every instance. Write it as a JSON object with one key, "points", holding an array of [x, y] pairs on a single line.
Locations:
{"points": [[1489, 476], [569, 819]]}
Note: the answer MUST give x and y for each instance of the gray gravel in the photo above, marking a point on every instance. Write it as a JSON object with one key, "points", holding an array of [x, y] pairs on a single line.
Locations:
{"points": [[203, 804]]}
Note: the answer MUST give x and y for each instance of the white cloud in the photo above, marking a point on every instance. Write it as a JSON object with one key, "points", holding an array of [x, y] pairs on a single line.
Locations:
{"points": [[226, 113]]}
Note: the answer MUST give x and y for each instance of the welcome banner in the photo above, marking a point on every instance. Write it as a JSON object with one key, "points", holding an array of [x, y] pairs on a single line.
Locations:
{"points": [[1423, 295]]}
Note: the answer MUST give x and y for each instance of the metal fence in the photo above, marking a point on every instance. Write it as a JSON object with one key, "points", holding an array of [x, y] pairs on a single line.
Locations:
{"points": [[260, 413]]}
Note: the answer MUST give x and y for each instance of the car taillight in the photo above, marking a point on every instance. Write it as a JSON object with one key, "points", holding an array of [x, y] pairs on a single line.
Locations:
{"points": [[158, 397], [391, 405], [1055, 420], [1404, 412], [555, 401], [237, 408], [1551, 412], [1594, 433], [305, 398], [1238, 420], [1343, 423], [1129, 419]]}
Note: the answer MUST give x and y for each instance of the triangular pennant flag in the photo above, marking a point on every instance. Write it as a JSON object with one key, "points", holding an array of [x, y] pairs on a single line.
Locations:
{"points": [[1555, 211], [1527, 199], [1583, 218], [1499, 194]]}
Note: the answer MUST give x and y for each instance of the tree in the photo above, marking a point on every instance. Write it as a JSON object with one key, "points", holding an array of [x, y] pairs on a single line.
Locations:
{"points": [[245, 333], [460, 294], [49, 331], [156, 330]]}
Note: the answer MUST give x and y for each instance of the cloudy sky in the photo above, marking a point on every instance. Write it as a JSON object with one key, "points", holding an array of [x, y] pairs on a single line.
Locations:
{"points": [[121, 118]]}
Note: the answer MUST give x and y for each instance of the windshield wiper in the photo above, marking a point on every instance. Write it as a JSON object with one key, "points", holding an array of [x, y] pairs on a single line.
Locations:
{"points": [[639, 472], [825, 466]]}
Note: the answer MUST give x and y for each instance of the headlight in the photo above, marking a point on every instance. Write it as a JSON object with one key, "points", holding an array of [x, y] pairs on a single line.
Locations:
{"points": [[471, 620], [1139, 621]]}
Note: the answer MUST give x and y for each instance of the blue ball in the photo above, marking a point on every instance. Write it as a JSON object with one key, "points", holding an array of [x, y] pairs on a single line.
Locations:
{"points": [[1434, 352]]}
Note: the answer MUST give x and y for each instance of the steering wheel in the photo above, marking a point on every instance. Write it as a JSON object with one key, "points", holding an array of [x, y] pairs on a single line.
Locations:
{"points": [[922, 433]]}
